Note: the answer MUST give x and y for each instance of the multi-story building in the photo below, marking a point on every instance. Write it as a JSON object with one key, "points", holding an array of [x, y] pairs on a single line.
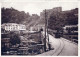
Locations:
{"points": [[13, 27]]}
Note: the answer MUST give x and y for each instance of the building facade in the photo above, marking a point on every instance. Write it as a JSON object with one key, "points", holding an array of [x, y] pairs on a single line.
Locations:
{"points": [[13, 27], [71, 32], [37, 27]]}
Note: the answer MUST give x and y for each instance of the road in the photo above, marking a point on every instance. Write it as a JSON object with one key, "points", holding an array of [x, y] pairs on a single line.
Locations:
{"points": [[55, 43], [70, 49], [62, 47]]}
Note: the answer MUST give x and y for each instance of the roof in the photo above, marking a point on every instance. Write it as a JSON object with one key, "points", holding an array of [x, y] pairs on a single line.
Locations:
{"points": [[8, 24], [70, 26], [12, 24]]}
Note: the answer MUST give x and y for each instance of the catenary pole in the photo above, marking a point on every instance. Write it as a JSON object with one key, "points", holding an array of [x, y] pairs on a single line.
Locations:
{"points": [[45, 32]]}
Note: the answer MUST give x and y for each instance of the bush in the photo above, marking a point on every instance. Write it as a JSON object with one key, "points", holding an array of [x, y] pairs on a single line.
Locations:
{"points": [[14, 38]]}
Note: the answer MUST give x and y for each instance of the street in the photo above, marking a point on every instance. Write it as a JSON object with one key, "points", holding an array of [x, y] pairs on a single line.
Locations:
{"points": [[62, 47], [70, 49]]}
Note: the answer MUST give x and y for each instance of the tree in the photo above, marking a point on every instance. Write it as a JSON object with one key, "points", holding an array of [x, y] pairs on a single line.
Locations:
{"points": [[72, 19], [14, 38], [13, 16], [56, 20]]}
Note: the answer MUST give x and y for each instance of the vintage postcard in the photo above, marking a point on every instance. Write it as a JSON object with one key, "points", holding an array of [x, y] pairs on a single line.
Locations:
{"points": [[39, 28]]}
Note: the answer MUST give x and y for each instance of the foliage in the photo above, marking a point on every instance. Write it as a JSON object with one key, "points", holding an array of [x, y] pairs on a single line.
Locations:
{"points": [[72, 19], [56, 19], [12, 15], [14, 38]]}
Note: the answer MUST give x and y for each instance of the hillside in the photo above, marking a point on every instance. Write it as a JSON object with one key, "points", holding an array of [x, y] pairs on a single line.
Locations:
{"points": [[56, 17]]}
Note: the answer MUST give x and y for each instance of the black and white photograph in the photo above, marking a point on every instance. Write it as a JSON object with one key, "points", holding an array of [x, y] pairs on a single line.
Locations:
{"points": [[42, 28]]}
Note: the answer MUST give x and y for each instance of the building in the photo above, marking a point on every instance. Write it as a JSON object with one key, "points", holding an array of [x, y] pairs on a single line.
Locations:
{"points": [[71, 32], [70, 26], [37, 27], [22, 27], [13, 27], [49, 11]]}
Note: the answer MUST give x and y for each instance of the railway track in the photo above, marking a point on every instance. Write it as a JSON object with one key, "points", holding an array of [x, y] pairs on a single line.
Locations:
{"points": [[62, 48], [69, 49], [59, 49]]}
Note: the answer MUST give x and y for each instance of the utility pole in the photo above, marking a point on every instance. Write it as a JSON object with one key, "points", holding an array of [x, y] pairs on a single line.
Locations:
{"points": [[49, 47], [45, 32]]}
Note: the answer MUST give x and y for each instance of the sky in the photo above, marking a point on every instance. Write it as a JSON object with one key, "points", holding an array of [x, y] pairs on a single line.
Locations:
{"points": [[37, 7], [34, 0]]}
